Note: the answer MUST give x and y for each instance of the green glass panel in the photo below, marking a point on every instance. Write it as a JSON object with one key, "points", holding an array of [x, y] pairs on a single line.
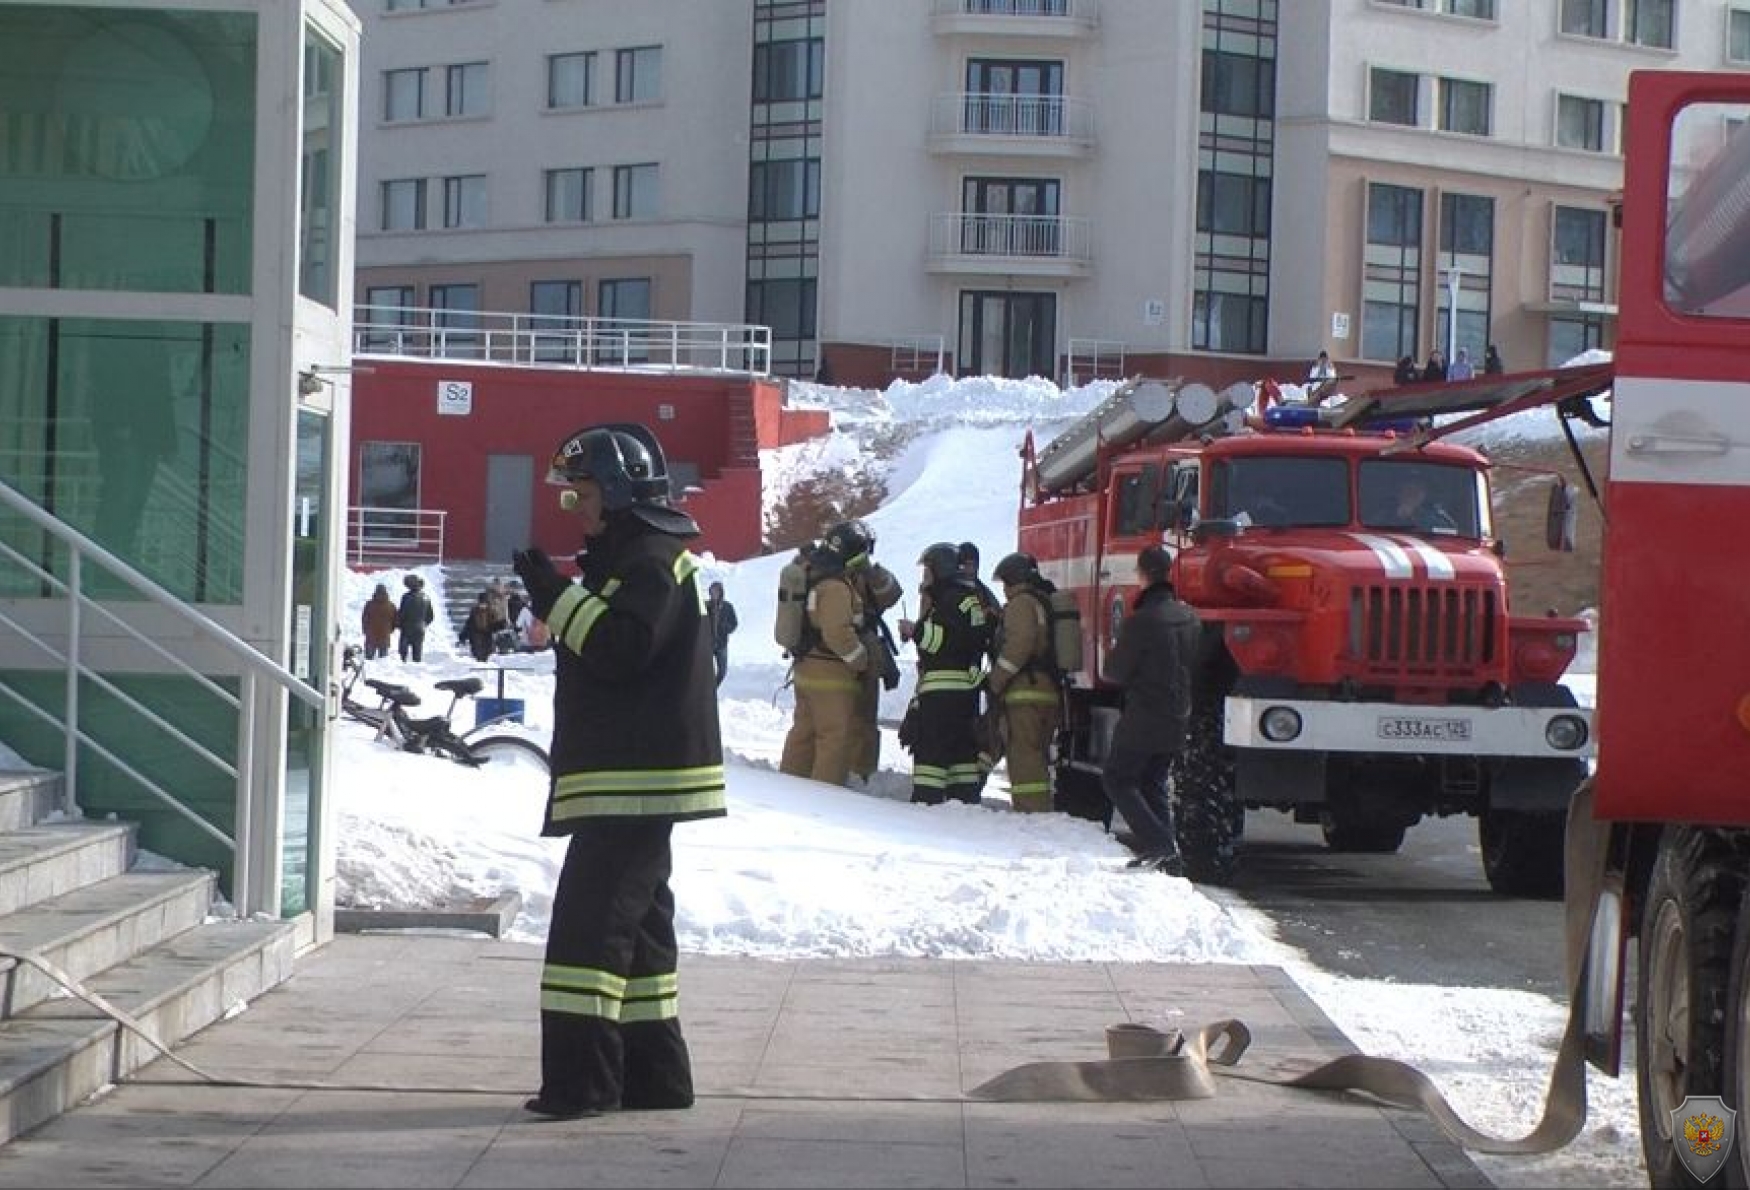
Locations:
{"points": [[134, 433], [319, 195], [127, 149], [201, 788]]}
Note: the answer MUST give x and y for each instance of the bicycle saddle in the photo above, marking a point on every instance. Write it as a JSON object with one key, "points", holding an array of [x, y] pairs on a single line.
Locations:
{"points": [[462, 687], [401, 696]]}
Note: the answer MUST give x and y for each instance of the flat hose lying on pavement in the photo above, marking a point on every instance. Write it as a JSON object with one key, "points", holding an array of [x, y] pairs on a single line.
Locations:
{"points": [[1148, 1064]]}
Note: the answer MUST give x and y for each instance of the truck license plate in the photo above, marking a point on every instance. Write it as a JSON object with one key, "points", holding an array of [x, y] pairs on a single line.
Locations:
{"points": [[1415, 727]]}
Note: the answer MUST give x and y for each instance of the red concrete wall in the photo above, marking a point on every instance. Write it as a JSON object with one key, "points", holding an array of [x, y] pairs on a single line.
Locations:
{"points": [[717, 423]]}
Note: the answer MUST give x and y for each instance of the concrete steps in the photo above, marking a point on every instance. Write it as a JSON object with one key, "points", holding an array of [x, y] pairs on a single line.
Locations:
{"points": [[144, 941]]}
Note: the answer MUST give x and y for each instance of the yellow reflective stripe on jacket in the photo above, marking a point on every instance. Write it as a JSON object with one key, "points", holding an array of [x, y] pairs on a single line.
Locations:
{"points": [[576, 611], [685, 567], [937, 680], [651, 998], [582, 991], [1029, 696], [930, 637], [638, 792], [930, 776]]}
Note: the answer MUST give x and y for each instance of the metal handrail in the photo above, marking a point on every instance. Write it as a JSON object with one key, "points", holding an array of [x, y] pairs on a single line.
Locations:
{"points": [[559, 340], [254, 667], [1075, 10], [1049, 237], [404, 535], [978, 113], [1095, 359]]}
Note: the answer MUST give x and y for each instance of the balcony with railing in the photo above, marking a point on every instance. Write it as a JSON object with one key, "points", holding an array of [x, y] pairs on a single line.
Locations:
{"points": [[1016, 245], [1019, 18], [1012, 125], [550, 340]]}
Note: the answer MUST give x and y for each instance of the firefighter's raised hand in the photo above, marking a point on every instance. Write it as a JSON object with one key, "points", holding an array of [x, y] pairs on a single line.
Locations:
{"points": [[905, 629], [541, 578]]}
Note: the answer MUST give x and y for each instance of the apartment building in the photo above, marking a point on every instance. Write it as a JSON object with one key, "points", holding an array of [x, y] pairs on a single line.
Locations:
{"points": [[1206, 188]]}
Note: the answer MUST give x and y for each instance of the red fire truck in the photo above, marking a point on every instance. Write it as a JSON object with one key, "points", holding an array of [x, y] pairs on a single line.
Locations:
{"points": [[1362, 663]]}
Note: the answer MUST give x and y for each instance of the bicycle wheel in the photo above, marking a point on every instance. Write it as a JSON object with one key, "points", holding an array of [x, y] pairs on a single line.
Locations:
{"points": [[505, 751]]}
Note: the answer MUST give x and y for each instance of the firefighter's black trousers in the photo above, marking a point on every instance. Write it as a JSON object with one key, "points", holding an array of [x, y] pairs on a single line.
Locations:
{"points": [[610, 1024]]}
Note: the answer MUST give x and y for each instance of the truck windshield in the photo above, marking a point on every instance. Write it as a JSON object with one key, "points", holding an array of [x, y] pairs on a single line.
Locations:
{"points": [[1281, 490], [1420, 497]]}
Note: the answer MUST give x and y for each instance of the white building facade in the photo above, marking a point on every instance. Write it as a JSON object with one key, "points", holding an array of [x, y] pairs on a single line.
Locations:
{"points": [[1214, 188]]}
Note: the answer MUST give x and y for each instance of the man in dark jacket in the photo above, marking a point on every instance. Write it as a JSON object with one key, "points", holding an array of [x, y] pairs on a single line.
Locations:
{"points": [[414, 616], [636, 749], [1157, 645], [721, 613]]}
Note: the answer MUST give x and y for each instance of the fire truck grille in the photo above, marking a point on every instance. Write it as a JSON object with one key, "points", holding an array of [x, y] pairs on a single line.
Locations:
{"points": [[1427, 631]]}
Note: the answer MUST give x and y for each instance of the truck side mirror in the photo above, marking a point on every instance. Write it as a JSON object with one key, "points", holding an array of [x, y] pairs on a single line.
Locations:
{"points": [[1561, 517]]}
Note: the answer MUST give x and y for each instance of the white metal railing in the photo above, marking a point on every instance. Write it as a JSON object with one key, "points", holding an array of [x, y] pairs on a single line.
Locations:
{"points": [[972, 113], [1049, 236], [1085, 11], [919, 355], [257, 673], [1094, 359], [397, 536], [533, 340]]}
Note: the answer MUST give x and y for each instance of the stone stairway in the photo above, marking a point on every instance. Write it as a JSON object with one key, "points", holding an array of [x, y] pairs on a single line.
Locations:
{"points": [[143, 940]]}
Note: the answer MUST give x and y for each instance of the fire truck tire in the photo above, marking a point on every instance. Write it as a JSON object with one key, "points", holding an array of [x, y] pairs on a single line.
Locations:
{"points": [[1737, 1053], [1522, 852], [1681, 1002], [1344, 833], [1208, 815]]}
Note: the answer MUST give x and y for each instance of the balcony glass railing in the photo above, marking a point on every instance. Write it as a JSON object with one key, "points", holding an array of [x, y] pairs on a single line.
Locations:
{"points": [[984, 114]]}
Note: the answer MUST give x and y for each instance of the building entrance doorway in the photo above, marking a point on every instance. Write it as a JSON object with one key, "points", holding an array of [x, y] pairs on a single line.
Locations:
{"points": [[1008, 334]]}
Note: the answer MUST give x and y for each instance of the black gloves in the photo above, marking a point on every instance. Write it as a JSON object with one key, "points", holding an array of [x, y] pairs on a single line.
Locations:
{"points": [[541, 578]]}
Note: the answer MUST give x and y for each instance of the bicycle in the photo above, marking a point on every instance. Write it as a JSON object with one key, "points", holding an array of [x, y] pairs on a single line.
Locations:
{"points": [[434, 735]]}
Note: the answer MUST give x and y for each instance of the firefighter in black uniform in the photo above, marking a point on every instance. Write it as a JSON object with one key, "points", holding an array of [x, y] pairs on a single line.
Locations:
{"points": [[636, 749], [953, 640]]}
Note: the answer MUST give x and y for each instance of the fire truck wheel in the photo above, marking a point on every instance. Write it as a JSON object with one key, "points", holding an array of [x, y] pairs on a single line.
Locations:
{"points": [[1681, 1005], [1737, 1053], [1522, 852], [1344, 831], [1208, 816]]}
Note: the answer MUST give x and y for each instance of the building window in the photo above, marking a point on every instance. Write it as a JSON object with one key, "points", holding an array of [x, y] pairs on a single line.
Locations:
{"points": [[784, 190], [638, 74], [1233, 204], [570, 80], [466, 90], [319, 181], [1014, 97], [1391, 272], [623, 304], [1240, 84], [568, 195], [1467, 251], [1738, 35], [1464, 107], [1010, 217], [1586, 18], [465, 201], [787, 306], [404, 205], [556, 309], [637, 192], [1649, 22], [1580, 123], [788, 71], [1577, 255], [1391, 97], [387, 319], [1482, 10], [455, 319], [404, 94]]}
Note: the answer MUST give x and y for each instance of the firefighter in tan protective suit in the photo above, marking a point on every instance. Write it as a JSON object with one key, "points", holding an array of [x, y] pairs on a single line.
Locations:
{"points": [[829, 671], [1024, 681]]}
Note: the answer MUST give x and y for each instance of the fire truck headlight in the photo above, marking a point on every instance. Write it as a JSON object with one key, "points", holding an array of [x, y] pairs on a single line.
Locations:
{"points": [[1566, 733], [1279, 724]]}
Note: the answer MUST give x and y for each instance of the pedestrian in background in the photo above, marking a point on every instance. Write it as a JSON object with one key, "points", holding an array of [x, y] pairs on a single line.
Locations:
{"points": [[413, 617], [480, 631], [1492, 363], [378, 622], [1322, 369], [636, 749], [1461, 368], [1152, 662], [723, 623]]}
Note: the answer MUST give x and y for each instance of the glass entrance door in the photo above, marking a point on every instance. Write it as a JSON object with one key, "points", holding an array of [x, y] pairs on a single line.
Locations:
{"points": [[1008, 334], [312, 598]]}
